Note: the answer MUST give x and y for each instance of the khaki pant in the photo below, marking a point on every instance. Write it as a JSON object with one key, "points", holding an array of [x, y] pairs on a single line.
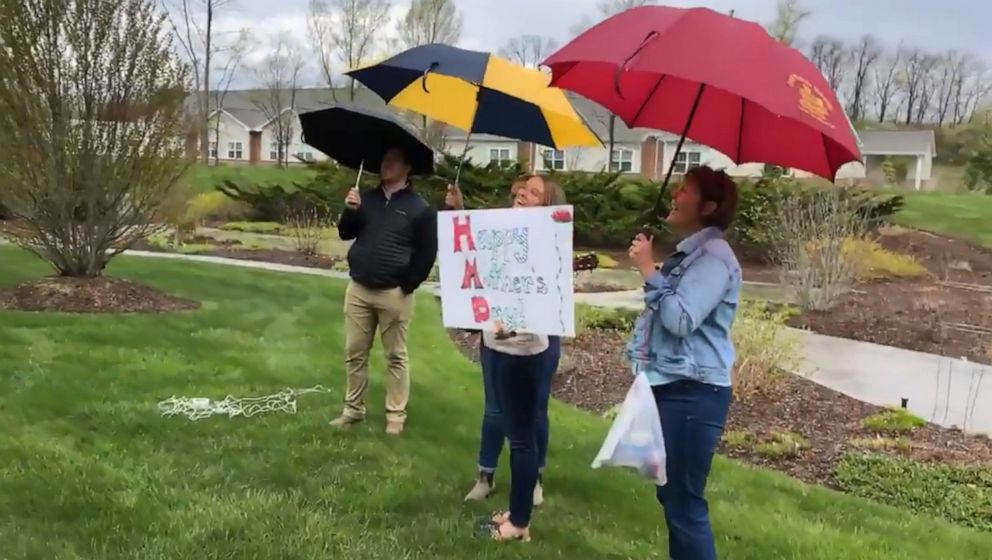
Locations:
{"points": [[390, 311]]}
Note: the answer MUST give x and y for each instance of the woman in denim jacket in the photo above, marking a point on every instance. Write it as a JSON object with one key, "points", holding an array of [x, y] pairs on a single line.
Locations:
{"points": [[682, 343]]}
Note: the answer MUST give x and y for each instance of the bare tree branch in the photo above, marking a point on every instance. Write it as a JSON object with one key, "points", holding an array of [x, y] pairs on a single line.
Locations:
{"points": [[886, 84], [279, 75], [349, 29], [235, 56], [529, 50], [831, 57], [91, 118], [789, 14], [864, 56], [430, 21]]}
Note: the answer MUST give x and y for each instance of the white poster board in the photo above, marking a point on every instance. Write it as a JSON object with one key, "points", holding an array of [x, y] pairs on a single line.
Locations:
{"points": [[512, 265]]}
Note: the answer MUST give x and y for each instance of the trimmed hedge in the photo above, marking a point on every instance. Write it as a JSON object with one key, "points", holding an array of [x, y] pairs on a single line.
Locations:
{"points": [[610, 208]]}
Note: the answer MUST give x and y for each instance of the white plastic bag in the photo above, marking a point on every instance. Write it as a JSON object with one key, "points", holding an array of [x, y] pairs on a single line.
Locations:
{"points": [[635, 439]]}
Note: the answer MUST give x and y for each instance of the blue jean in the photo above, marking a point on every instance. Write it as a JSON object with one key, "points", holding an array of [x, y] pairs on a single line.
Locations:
{"points": [[493, 432], [693, 415], [517, 382]]}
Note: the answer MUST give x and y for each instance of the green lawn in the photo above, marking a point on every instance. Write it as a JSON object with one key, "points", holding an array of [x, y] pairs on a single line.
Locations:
{"points": [[968, 216], [203, 178], [88, 468]]}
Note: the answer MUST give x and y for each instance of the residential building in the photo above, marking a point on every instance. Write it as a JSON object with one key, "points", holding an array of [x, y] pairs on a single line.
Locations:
{"points": [[247, 133]]}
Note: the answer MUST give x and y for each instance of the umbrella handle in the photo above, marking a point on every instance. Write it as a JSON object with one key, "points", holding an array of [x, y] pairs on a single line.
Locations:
{"points": [[623, 67], [423, 80], [461, 162], [358, 178]]}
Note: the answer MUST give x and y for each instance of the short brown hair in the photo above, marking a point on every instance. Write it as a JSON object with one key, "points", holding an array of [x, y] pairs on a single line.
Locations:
{"points": [[716, 187], [554, 194]]}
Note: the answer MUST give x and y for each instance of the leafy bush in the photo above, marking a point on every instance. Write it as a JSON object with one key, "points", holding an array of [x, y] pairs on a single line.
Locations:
{"points": [[762, 203], [606, 262], [601, 318], [764, 348], [874, 262], [889, 172], [738, 438], [880, 443], [271, 228], [978, 171], [958, 494], [782, 445], [893, 421], [215, 207]]}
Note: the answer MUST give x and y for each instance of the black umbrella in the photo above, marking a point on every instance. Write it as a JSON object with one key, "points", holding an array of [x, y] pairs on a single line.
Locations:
{"points": [[358, 138]]}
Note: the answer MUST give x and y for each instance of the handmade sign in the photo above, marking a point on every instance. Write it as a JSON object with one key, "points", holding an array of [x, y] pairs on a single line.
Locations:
{"points": [[512, 265]]}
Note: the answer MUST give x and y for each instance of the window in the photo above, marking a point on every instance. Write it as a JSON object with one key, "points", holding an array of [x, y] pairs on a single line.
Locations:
{"points": [[623, 160], [213, 149], [275, 153], [305, 156], [554, 159], [686, 161], [500, 156], [235, 150]]}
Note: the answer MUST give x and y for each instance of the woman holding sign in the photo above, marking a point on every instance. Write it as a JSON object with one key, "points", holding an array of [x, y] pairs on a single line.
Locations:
{"points": [[516, 372], [682, 343]]}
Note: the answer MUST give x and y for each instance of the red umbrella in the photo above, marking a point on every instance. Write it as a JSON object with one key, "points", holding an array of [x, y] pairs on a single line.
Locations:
{"points": [[714, 79]]}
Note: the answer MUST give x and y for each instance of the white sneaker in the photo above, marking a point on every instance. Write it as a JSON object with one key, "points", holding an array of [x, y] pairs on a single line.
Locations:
{"points": [[482, 489], [538, 494]]}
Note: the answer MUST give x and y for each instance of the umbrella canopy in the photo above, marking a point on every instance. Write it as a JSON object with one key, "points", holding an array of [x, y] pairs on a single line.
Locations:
{"points": [[358, 138], [480, 93], [716, 80]]}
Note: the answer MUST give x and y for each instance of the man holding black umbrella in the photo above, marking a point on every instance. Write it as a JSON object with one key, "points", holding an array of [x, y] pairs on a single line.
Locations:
{"points": [[394, 234], [395, 244]]}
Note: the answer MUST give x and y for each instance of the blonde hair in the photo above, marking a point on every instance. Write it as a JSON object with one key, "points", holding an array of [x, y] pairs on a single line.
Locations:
{"points": [[554, 194]]}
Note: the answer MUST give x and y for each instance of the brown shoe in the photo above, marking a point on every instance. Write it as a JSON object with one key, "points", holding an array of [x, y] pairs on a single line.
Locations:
{"points": [[394, 428], [344, 421]]}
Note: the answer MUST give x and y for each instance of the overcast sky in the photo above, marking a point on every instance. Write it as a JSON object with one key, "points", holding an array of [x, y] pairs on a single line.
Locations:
{"points": [[936, 25]]}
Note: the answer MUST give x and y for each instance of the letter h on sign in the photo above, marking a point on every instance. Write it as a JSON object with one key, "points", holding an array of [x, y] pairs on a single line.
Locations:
{"points": [[463, 229]]}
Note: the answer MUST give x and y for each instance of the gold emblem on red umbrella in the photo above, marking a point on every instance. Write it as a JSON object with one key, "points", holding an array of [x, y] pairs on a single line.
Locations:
{"points": [[811, 99]]}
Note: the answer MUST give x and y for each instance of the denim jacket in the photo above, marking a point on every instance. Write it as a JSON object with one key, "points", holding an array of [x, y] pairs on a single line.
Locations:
{"points": [[684, 330]]}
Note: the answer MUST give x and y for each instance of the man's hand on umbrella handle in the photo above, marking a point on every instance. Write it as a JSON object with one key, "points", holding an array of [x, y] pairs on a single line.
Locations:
{"points": [[354, 199], [453, 199]]}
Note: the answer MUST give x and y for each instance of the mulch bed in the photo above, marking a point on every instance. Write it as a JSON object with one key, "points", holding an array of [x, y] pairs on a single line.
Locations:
{"points": [[593, 377], [924, 314], [232, 249], [91, 295]]}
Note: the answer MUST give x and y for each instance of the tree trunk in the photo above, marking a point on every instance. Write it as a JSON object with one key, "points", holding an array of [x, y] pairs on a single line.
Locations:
{"points": [[613, 128], [204, 116]]}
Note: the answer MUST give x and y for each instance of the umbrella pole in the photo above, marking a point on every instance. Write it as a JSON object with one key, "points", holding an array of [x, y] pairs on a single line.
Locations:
{"points": [[358, 178], [461, 162], [678, 149]]}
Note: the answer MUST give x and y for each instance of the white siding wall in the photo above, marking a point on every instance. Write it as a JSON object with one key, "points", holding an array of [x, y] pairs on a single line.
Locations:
{"points": [[230, 131], [593, 160], [296, 145], [479, 152], [709, 156]]}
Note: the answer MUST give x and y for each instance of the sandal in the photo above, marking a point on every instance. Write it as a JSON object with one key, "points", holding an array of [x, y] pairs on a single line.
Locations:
{"points": [[499, 517], [509, 532]]}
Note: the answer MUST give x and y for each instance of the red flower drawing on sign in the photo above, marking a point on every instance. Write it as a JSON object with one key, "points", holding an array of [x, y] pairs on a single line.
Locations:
{"points": [[561, 216]]}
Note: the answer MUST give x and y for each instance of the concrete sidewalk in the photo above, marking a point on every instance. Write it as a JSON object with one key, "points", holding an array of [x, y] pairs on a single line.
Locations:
{"points": [[946, 391]]}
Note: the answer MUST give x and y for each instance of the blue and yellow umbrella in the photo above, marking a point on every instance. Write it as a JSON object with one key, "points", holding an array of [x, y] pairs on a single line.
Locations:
{"points": [[480, 93]]}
